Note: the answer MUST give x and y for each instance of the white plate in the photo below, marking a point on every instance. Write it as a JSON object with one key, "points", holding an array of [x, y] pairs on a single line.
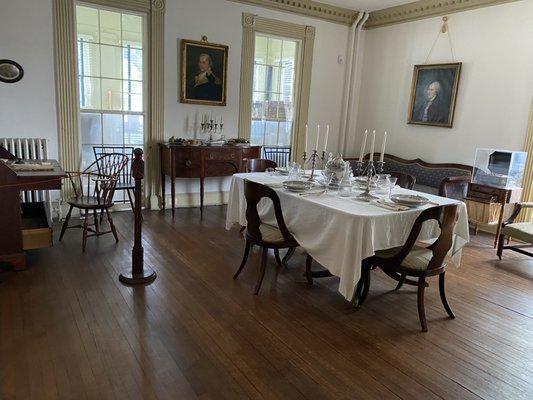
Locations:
{"points": [[297, 186], [410, 200]]}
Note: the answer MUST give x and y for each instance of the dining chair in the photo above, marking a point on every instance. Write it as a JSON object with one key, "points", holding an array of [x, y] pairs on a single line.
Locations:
{"points": [[415, 261], [264, 235], [281, 155], [404, 180], [259, 165], [522, 231], [454, 187], [125, 182], [93, 192]]}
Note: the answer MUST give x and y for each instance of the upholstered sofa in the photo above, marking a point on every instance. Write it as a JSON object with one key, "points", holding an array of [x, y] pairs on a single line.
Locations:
{"points": [[430, 177]]}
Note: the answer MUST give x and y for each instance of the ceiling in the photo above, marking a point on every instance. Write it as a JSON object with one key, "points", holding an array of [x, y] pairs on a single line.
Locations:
{"points": [[366, 5]]}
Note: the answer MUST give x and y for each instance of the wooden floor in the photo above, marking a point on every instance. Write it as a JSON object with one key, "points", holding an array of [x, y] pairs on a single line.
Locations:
{"points": [[69, 329]]}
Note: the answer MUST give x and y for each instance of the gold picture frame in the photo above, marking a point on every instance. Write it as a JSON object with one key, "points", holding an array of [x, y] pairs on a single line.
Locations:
{"points": [[203, 73], [434, 94]]}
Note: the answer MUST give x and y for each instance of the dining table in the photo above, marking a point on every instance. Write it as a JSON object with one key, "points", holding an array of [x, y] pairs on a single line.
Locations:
{"points": [[340, 232]]}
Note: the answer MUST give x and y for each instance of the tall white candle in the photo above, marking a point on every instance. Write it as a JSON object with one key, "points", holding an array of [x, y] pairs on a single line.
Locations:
{"points": [[383, 147], [306, 136], [363, 146], [327, 136], [372, 145], [317, 137]]}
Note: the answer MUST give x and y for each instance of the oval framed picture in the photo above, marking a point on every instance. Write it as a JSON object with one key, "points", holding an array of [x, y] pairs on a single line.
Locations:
{"points": [[10, 71]]}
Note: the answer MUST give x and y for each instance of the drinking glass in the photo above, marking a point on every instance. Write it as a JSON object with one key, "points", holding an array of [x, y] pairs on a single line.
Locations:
{"points": [[392, 183], [295, 172]]}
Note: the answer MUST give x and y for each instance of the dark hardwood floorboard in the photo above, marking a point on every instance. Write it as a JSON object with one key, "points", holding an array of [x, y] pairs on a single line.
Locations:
{"points": [[69, 329]]}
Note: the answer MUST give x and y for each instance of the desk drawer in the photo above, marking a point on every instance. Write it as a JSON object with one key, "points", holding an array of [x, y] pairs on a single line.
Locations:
{"points": [[222, 155], [36, 226]]}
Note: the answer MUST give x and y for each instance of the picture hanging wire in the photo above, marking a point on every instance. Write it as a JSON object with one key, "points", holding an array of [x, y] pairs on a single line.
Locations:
{"points": [[444, 29]]}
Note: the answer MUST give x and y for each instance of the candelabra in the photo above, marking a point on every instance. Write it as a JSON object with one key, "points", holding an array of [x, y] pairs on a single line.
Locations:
{"points": [[372, 168], [212, 128], [313, 159]]}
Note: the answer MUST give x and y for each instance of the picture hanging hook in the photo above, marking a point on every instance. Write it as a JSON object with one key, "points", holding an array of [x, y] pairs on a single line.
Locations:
{"points": [[204, 38]]}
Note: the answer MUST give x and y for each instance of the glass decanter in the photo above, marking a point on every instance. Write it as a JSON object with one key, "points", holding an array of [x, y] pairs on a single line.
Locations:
{"points": [[345, 184]]}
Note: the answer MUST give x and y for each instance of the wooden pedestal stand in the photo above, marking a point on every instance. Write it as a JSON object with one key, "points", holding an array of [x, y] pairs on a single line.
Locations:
{"points": [[139, 272]]}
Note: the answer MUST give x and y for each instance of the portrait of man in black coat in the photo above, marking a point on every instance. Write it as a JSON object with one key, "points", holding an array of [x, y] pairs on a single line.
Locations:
{"points": [[433, 95], [203, 73]]}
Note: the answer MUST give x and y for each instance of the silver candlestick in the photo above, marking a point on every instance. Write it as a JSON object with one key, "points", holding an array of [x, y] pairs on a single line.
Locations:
{"points": [[366, 195]]}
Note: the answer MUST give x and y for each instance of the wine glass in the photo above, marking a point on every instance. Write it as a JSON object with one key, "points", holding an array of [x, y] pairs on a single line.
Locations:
{"points": [[270, 171]]}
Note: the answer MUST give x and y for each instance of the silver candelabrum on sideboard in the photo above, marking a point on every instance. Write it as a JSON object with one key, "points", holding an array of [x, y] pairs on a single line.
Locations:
{"points": [[212, 128]]}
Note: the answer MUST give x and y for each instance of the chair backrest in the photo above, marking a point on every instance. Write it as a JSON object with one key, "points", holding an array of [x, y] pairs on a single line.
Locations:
{"points": [[281, 155], [254, 192], [259, 164], [100, 178], [405, 181], [446, 216], [454, 187], [100, 151]]}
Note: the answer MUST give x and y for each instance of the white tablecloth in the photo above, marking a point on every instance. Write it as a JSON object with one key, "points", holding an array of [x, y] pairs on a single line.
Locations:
{"points": [[340, 232]]}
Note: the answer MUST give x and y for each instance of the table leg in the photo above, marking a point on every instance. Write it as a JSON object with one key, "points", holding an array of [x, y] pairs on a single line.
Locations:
{"points": [[163, 190], [201, 196], [173, 194], [499, 227]]}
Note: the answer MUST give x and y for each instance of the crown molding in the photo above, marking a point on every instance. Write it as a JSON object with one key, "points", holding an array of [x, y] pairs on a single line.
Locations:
{"points": [[424, 9], [308, 8]]}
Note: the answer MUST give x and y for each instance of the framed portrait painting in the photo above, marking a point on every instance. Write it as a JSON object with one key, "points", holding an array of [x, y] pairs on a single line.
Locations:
{"points": [[204, 68], [433, 94]]}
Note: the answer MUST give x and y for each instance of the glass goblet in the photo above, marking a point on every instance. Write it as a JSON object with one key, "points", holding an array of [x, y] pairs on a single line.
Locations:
{"points": [[392, 183]]}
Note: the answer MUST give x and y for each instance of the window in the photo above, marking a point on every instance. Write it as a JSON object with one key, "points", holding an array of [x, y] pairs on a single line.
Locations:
{"points": [[111, 79], [273, 98]]}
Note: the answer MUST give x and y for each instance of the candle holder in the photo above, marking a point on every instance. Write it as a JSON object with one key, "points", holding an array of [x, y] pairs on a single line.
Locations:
{"points": [[380, 166], [313, 158], [304, 158], [359, 168], [366, 196]]}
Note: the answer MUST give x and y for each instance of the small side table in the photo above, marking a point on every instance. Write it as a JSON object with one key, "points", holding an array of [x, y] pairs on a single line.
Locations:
{"points": [[493, 195]]}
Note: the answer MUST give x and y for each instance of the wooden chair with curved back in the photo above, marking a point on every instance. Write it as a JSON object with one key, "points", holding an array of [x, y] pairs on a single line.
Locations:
{"points": [[93, 192], [454, 187], [404, 180], [259, 165], [261, 234], [415, 261]]}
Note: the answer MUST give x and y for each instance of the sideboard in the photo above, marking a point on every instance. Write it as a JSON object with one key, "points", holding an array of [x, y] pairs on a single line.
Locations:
{"points": [[178, 161]]}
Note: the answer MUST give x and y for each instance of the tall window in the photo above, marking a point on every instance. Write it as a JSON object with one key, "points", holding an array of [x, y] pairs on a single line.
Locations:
{"points": [[274, 87], [111, 77]]}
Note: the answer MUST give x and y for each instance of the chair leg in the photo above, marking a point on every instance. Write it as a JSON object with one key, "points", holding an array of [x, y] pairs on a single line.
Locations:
{"points": [[278, 259], [261, 271], [400, 283], [420, 302], [111, 224], [130, 199], [96, 224], [500, 246], [308, 271], [85, 228], [243, 228], [244, 259], [366, 285], [65, 224], [443, 296], [287, 257]]}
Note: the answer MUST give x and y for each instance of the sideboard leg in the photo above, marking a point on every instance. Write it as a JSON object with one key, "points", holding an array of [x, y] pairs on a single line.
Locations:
{"points": [[173, 189], [201, 196], [163, 190]]}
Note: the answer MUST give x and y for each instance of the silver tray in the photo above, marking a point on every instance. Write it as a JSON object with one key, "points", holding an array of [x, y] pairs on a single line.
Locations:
{"points": [[410, 200]]}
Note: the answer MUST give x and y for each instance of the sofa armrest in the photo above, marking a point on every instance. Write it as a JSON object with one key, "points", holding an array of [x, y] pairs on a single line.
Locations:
{"points": [[518, 207]]}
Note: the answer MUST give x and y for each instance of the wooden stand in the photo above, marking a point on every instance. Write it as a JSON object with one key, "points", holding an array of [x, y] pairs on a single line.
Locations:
{"points": [[139, 272]]}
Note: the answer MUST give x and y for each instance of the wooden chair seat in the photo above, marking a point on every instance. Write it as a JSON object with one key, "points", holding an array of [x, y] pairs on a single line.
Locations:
{"points": [[417, 260], [519, 230], [87, 202]]}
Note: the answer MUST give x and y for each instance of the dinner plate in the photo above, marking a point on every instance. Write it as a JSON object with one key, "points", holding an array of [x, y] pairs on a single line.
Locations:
{"points": [[410, 200], [297, 186]]}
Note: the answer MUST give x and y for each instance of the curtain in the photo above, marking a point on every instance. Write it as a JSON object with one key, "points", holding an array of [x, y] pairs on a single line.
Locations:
{"points": [[527, 215]]}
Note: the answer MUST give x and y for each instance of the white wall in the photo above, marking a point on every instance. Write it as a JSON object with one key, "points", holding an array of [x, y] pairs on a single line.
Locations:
{"points": [[27, 108], [495, 45], [220, 21]]}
